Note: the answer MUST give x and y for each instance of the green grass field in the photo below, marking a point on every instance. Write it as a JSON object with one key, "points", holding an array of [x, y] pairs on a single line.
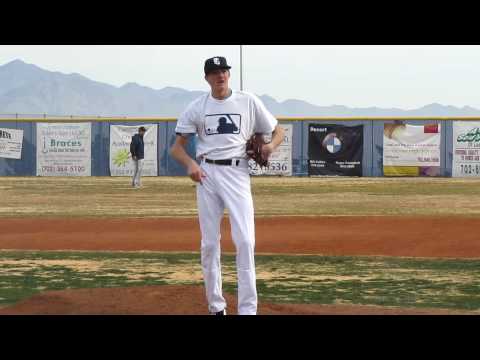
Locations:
{"points": [[273, 196], [387, 281], [403, 282]]}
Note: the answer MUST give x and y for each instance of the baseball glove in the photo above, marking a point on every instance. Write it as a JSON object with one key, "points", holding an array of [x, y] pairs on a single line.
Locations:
{"points": [[254, 149]]}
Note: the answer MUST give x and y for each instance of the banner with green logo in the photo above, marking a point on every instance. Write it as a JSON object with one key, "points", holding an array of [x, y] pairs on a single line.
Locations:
{"points": [[64, 149], [121, 163], [466, 148]]}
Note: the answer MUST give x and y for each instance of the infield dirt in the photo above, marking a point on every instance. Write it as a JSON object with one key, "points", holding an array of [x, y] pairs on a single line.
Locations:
{"points": [[450, 237]]}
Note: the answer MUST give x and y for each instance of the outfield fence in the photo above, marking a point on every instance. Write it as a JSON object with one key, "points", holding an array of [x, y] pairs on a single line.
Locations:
{"points": [[372, 157]]}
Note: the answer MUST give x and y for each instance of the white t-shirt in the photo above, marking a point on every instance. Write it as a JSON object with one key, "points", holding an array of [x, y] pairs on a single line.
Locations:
{"points": [[224, 126]]}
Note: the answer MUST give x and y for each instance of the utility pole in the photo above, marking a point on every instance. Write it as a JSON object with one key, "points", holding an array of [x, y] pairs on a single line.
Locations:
{"points": [[241, 68]]}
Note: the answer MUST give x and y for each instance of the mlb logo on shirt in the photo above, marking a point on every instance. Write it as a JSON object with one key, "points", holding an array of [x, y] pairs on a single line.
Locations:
{"points": [[216, 124]]}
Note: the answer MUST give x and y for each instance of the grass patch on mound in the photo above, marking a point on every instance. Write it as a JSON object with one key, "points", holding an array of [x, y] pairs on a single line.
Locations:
{"points": [[386, 281]]}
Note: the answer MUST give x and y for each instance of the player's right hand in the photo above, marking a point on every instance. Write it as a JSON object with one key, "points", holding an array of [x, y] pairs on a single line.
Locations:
{"points": [[195, 172]]}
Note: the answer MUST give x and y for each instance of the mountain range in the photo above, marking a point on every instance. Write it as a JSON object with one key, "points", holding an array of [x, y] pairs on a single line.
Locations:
{"points": [[29, 89]]}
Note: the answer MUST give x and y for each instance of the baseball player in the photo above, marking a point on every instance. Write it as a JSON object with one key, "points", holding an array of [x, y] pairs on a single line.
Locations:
{"points": [[224, 120], [137, 151]]}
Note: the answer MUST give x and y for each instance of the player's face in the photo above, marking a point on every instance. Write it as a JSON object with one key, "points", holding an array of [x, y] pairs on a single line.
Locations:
{"points": [[218, 79]]}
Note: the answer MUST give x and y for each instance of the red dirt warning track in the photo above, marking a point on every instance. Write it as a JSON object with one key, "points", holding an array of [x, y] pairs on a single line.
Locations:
{"points": [[352, 235]]}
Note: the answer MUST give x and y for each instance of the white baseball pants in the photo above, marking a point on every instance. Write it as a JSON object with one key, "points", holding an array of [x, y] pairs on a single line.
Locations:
{"points": [[137, 172], [227, 187]]}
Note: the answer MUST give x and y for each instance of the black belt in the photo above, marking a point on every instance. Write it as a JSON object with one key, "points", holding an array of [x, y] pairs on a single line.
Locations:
{"points": [[227, 162]]}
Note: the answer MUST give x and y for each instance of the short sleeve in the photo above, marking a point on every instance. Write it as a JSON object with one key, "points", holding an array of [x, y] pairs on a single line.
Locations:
{"points": [[265, 122], [186, 121]]}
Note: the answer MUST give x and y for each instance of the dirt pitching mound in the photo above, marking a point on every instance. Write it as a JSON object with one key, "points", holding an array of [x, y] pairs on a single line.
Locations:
{"points": [[175, 300]]}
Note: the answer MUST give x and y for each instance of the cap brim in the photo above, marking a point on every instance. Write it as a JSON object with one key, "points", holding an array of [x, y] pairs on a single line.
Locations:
{"points": [[217, 68]]}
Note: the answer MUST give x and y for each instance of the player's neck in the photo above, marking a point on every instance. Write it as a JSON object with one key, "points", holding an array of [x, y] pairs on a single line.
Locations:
{"points": [[222, 94]]}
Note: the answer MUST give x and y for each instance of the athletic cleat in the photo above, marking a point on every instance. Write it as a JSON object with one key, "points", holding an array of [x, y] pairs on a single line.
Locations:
{"points": [[222, 312]]}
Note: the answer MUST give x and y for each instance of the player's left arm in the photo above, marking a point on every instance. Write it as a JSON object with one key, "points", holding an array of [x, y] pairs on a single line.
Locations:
{"points": [[266, 123], [278, 135]]}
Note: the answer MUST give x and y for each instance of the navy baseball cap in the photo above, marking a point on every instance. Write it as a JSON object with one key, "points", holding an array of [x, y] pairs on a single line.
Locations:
{"points": [[215, 63]]}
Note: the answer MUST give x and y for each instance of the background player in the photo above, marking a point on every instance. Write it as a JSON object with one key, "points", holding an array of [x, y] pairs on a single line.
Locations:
{"points": [[223, 179], [137, 151]]}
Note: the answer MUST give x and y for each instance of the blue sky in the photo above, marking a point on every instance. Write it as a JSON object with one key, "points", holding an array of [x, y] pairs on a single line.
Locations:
{"points": [[405, 77]]}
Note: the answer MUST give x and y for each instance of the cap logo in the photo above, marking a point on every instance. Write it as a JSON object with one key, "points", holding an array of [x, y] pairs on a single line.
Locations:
{"points": [[216, 61]]}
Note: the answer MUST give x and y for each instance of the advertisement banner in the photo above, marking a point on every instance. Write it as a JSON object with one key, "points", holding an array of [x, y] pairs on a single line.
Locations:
{"points": [[280, 162], [335, 150], [466, 148], [64, 149], [411, 150], [11, 141], [121, 163]]}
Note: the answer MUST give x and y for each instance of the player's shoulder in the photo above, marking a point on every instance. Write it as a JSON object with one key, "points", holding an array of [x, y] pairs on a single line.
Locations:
{"points": [[198, 101], [246, 94], [250, 97], [193, 108]]}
